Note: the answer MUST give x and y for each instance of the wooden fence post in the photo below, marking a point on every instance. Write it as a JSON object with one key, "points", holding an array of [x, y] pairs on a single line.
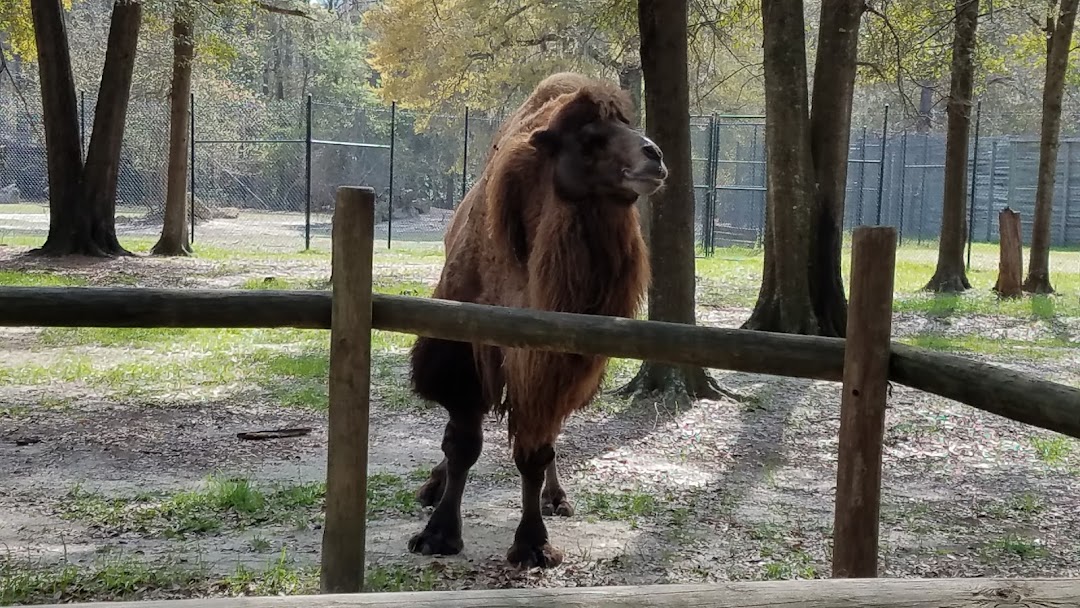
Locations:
{"points": [[1010, 255], [344, 533], [862, 406]]}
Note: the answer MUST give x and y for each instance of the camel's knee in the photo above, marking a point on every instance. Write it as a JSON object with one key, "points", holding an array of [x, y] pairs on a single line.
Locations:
{"points": [[532, 463], [462, 442]]}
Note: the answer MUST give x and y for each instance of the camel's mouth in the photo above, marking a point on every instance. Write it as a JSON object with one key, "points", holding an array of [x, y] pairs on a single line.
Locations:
{"points": [[643, 184]]}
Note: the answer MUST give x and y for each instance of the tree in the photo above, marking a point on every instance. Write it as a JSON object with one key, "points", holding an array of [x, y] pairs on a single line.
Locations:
{"points": [[950, 275], [1059, 30], [82, 198], [663, 27], [802, 290], [174, 230]]}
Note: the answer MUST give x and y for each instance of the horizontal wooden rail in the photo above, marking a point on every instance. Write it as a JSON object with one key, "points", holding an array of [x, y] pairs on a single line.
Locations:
{"points": [[991, 388], [879, 593]]}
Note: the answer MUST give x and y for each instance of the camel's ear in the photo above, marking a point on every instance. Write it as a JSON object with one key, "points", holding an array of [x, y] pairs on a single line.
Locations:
{"points": [[545, 140]]}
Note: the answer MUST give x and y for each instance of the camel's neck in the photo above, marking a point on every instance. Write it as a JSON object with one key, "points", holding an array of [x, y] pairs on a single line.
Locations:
{"points": [[589, 259]]}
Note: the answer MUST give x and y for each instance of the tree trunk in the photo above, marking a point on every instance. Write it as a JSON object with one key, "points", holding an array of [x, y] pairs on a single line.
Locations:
{"points": [[1058, 45], [630, 81], [83, 211], [68, 224], [174, 230], [792, 216], [1011, 255], [830, 131], [950, 275], [926, 107], [663, 27]]}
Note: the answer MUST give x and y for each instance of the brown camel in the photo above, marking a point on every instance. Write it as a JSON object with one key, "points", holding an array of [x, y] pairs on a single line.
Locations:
{"points": [[550, 225]]}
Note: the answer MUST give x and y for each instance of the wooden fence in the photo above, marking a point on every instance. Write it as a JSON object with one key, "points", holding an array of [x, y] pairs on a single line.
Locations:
{"points": [[865, 364]]}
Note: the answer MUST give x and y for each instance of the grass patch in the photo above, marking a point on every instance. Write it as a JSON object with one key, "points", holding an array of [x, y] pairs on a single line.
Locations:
{"points": [[610, 506], [226, 503], [798, 565], [111, 579], [223, 503], [1013, 545], [1043, 349], [1052, 450], [25, 278], [291, 365]]}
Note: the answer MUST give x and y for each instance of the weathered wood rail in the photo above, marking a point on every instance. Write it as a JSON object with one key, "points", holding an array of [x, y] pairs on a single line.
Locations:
{"points": [[834, 593], [351, 312], [992, 388]]}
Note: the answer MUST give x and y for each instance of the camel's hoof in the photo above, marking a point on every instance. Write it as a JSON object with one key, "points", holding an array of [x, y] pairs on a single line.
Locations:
{"points": [[556, 504], [431, 492], [544, 556], [435, 542]]}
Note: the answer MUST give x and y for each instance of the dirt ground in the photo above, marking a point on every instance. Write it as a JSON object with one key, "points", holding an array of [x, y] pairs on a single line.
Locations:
{"points": [[721, 490]]}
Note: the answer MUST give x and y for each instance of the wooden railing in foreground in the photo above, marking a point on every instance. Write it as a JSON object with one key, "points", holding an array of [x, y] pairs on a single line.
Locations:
{"points": [[834, 593], [351, 311]]}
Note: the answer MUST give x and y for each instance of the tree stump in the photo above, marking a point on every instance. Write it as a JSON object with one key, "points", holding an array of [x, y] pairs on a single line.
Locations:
{"points": [[1011, 257]]}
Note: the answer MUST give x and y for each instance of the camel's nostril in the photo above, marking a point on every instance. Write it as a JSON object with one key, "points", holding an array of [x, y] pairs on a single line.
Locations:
{"points": [[652, 152]]}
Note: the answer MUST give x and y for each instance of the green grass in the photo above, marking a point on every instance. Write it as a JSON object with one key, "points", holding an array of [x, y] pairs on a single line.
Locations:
{"points": [[113, 578], [1052, 450], [16, 278], [226, 503], [1042, 349], [611, 506], [1013, 546], [125, 578], [291, 365]]}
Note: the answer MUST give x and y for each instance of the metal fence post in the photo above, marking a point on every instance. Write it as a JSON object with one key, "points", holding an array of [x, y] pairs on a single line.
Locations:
{"points": [[862, 178], [922, 186], [903, 183], [881, 163], [82, 122], [390, 199], [465, 156], [974, 177], [1066, 207], [307, 177], [191, 211], [993, 193], [708, 212]]}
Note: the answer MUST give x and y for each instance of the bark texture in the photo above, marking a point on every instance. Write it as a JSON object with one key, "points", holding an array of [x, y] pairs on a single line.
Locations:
{"points": [[174, 230], [1059, 33], [1010, 256], [950, 275], [830, 132]]}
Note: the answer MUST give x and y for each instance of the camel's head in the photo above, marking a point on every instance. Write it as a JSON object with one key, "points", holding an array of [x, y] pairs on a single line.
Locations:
{"points": [[597, 154]]}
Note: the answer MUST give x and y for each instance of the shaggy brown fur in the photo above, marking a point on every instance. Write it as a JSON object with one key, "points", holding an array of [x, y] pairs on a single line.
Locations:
{"points": [[550, 225]]}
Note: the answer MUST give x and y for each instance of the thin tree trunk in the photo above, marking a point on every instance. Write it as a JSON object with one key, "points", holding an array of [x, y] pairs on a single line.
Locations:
{"points": [[830, 131], [663, 27], [103, 153], [1058, 46], [174, 230], [61, 117], [950, 275], [926, 108], [784, 303]]}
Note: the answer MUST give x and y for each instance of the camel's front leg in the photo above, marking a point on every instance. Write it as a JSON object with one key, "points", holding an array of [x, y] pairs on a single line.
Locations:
{"points": [[531, 547], [553, 501], [462, 443]]}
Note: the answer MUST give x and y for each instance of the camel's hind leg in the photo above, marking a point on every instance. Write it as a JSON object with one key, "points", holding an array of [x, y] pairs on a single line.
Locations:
{"points": [[531, 547], [553, 500], [429, 494], [443, 372]]}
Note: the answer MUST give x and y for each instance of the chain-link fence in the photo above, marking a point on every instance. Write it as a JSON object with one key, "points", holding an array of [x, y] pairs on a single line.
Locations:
{"points": [[264, 173]]}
